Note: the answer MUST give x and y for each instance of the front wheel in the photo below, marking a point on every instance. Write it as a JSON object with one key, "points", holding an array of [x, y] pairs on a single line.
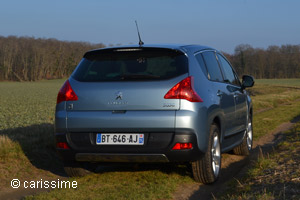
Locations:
{"points": [[207, 169], [245, 147]]}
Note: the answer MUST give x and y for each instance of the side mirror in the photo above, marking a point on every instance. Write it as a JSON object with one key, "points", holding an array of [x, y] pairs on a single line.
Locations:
{"points": [[248, 81]]}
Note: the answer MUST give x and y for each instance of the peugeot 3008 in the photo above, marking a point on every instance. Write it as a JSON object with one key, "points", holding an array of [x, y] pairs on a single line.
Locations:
{"points": [[153, 103]]}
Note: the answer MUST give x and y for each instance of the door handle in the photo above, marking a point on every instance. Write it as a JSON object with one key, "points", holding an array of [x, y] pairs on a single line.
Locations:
{"points": [[235, 96], [219, 93]]}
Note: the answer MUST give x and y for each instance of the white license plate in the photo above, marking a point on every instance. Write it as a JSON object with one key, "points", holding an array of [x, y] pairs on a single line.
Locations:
{"points": [[119, 139]]}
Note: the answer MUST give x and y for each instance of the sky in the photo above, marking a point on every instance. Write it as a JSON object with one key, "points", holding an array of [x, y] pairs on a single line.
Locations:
{"points": [[222, 24]]}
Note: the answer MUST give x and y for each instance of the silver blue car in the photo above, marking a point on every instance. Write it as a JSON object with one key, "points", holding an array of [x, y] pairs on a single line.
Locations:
{"points": [[153, 103]]}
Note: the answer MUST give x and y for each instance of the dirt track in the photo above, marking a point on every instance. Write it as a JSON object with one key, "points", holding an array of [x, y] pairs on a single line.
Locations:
{"points": [[233, 166]]}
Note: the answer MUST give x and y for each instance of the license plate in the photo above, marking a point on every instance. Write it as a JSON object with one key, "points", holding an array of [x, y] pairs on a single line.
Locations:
{"points": [[119, 139]]}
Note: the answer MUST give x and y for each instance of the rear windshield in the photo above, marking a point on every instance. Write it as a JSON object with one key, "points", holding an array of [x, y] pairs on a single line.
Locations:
{"points": [[131, 65]]}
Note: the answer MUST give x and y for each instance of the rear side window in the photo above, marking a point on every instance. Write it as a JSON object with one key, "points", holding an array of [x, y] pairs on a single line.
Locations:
{"points": [[201, 63], [131, 65], [214, 72], [229, 74]]}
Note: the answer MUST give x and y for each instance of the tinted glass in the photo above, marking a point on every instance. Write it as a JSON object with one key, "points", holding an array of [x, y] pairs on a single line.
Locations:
{"points": [[214, 72], [229, 75], [201, 63], [131, 65]]}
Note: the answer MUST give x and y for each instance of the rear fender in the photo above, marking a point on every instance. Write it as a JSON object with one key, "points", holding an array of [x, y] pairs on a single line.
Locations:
{"points": [[216, 116]]}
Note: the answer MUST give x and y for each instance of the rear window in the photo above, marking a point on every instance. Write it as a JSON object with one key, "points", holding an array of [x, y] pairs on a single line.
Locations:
{"points": [[135, 64]]}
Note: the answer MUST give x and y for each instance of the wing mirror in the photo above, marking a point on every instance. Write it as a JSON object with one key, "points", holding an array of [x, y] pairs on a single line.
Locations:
{"points": [[248, 81]]}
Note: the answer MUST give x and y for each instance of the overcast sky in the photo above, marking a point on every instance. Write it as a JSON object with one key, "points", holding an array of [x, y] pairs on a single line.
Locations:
{"points": [[222, 24]]}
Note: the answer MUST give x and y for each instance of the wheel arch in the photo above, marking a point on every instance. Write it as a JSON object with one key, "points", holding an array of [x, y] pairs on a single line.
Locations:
{"points": [[251, 112], [218, 121], [215, 118]]}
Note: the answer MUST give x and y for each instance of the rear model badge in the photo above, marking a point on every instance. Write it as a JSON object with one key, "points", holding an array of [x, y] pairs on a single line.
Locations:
{"points": [[169, 105]]}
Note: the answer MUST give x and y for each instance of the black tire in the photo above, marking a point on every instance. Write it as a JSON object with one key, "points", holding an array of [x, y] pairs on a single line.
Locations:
{"points": [[77, 169], [207, 169], [245, 147]]}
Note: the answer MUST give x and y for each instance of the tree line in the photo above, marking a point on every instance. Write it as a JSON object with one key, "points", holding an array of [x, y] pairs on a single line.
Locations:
{"points": [[31, 59], [273, 62]]}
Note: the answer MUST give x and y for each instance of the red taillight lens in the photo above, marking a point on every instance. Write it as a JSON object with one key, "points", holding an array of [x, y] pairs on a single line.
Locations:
{"points": [[66, 93], [179, 146], [184, 90], [62, 145]]}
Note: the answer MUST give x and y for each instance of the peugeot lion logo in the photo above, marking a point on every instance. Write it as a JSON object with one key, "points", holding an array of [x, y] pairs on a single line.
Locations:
{"points": [[119, 95], [117, 101]]}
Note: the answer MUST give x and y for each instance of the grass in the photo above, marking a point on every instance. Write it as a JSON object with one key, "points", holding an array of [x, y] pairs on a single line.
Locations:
{"points": [[279, 82], [274, 176], [274, 102], [26, 142], [26, 130], [148, 184], [266, 97], [27, 103], [267, 121]]}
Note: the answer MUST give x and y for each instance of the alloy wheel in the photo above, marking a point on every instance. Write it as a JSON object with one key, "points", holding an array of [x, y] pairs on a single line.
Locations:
{"points": [[216, 154]]}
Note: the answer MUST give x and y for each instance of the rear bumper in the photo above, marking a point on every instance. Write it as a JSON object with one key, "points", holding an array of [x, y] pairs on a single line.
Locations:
{"points": [[157, 148]]}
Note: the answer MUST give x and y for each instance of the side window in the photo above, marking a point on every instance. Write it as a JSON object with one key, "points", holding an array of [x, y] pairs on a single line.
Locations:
{"points": [[201, 63], [229, 75], [214, 72]]}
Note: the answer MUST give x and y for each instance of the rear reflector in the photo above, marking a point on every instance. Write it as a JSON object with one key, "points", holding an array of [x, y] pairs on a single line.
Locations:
{"points": [[66, 93], [184, 90], [62, 145], [179, 146]]}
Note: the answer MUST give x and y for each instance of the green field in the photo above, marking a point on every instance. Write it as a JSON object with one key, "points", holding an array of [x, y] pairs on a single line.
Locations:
{"points": [[27, 143], [280, 82]]}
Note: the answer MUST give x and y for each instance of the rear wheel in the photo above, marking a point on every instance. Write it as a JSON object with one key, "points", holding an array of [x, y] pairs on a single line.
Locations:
{"points": [[245, 147], [77, 169], [207, 169]]}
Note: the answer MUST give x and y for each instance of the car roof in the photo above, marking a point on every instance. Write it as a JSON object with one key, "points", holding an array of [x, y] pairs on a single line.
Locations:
{"points": [[181, 47]]}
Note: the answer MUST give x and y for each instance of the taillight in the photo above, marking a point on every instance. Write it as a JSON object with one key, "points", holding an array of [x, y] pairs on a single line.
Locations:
{"points": [[180, 146], [184, 90], [62, 145], [66, 93]]}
